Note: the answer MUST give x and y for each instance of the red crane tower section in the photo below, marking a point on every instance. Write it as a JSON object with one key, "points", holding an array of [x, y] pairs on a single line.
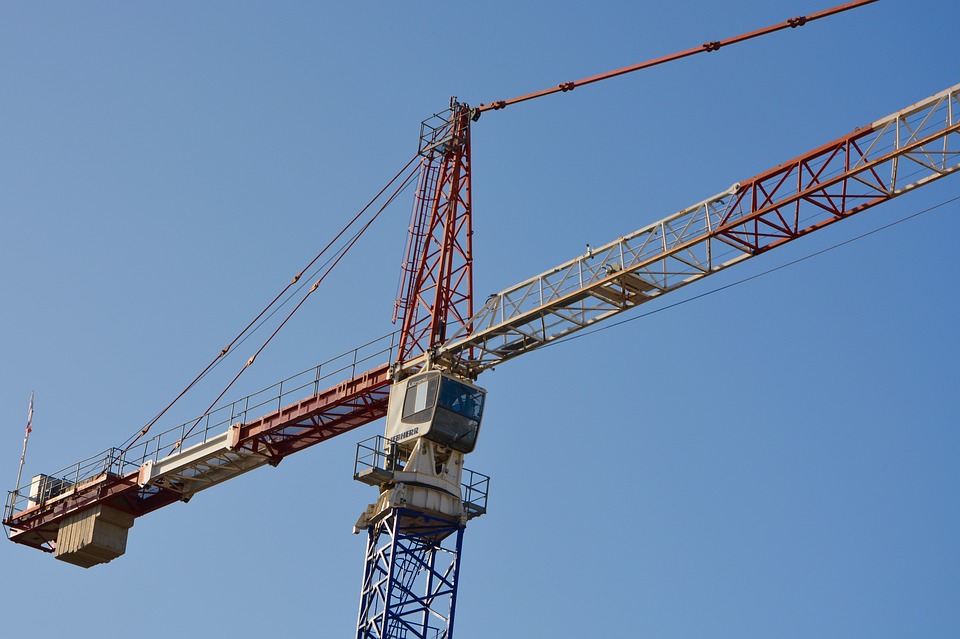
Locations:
{"points": [[436, 292]]}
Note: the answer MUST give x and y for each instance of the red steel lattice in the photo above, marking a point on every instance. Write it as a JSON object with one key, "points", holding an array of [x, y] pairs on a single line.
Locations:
{"points": [[439, 286]]}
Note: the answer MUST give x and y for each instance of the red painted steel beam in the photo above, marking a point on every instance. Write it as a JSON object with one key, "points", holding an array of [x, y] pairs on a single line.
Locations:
{"points": [[706, 47], [351, 404], [779, 192]]}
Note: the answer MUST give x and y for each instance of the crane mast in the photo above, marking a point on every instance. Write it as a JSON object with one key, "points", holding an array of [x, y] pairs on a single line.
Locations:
{"points": [[425, 495]]}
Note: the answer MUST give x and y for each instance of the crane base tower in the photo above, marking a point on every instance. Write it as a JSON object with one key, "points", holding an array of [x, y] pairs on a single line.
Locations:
{"points": [[414, 537], [410, 577]]}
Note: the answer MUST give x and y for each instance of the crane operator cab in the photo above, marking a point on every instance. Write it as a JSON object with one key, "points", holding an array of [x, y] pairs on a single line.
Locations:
{"points": [[436, 406]]}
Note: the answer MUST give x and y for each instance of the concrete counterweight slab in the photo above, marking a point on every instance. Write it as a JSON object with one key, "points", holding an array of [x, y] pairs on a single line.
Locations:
{"points": [[94, 536]]}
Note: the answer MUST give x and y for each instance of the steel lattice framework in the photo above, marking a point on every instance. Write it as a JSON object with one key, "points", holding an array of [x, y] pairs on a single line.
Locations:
{"points": [[436, 293], [853, 173], [410, 578]]}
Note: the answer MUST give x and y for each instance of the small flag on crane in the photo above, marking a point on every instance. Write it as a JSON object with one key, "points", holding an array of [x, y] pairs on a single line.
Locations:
{"points": [[30, 415], [26, 436]]}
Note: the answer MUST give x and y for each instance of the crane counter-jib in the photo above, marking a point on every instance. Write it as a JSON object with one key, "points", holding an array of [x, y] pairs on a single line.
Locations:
{"points": [[173, 466], [850, 174], [84, 519]]}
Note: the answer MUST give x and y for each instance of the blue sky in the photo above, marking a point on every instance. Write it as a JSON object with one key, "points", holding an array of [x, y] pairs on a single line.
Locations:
{"points": [[775, 460]]}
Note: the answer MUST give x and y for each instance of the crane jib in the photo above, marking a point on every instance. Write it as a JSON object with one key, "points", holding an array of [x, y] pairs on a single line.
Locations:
{"points": [[832, 182]]}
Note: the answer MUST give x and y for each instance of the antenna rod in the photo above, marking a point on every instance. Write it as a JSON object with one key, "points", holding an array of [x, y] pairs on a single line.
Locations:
{"points": [[706, 47], [23, 455]]}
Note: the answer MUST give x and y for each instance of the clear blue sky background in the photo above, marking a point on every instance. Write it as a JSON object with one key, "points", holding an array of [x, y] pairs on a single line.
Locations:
{"points": [[777, 460]]}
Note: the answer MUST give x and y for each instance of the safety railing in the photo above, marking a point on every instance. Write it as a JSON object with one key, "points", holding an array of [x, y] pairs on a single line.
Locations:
{"points": [[378, 457], [475, 488], [46, 488], [116, 461], [373, 454]]}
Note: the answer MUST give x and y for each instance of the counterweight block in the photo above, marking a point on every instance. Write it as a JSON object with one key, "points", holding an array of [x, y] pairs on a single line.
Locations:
{"points": [[94, 536]]}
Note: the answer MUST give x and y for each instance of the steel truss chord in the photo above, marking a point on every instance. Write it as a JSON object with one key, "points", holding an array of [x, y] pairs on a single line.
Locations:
{"points": [[871, 165]]}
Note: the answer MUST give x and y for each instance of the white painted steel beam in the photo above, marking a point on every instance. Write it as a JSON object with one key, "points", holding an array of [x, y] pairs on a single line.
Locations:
{"points": [[200, 466]]}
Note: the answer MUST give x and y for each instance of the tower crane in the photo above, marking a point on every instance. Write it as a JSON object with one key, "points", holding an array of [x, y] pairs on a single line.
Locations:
{"points": [[424, 379]]}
